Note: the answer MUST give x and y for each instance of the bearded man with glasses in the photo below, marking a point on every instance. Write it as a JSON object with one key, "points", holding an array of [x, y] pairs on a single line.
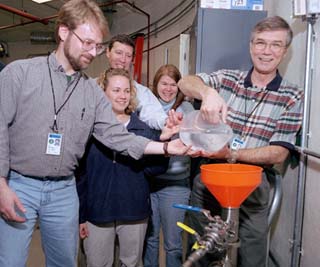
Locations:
{"points": [[265, 112]]}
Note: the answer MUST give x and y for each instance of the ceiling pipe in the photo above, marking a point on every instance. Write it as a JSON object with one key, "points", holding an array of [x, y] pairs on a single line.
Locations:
{"points": [[46, 20], [23, 14], [27, 22]]}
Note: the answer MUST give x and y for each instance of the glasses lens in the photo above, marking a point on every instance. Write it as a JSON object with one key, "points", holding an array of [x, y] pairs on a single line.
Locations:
{"points": [[87, 45], [100, 49], [274, 47], [260, 45]]}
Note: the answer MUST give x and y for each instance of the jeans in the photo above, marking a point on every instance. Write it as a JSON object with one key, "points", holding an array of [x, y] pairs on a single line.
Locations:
{"points": [[165, 216], [55, 204], [253, 227]]}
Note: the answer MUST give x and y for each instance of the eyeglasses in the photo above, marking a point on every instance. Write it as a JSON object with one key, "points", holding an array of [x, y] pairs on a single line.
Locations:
{"points": [[88, 45], [262, 45]]}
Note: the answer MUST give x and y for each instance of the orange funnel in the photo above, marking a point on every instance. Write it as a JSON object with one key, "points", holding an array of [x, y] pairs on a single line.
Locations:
{"points": [[231, 184]]}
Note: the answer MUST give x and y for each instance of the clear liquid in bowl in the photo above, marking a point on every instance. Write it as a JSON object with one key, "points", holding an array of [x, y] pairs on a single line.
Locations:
{"points": [[201, 135]]}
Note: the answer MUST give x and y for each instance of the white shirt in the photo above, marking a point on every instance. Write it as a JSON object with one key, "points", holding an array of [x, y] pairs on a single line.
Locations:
{"points": [[149, 108]]}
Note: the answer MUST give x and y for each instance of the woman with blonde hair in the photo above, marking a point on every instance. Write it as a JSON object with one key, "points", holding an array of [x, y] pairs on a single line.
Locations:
{"points": [[113, 191]]}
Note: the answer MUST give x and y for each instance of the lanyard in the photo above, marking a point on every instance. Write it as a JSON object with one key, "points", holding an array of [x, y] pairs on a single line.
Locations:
{"points": [[253, 110], [54, 126]]}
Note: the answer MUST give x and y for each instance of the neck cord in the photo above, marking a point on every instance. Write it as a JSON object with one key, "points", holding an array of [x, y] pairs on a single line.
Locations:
{"points": [[253, 110], [54, 126]]}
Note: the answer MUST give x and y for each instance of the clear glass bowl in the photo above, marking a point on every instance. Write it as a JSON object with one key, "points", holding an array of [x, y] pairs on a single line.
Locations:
{"points": [[202, 135]]}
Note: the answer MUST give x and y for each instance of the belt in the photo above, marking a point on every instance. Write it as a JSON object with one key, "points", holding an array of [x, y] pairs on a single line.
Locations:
{"points": [[51, 178], [45, 178]]}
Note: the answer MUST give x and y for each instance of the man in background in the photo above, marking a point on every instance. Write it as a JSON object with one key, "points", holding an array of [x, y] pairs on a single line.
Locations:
{"points": [[120, 54]]}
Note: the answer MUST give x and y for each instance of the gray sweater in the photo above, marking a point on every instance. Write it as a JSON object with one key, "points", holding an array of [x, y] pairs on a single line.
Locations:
{"points": [[179, 166]]}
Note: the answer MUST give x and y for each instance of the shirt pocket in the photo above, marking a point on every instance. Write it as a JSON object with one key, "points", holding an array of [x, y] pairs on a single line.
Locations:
{"points": [[82, 125]]}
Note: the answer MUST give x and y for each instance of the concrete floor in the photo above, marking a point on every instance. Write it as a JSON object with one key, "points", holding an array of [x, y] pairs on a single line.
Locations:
{"points": [[36, 257]]}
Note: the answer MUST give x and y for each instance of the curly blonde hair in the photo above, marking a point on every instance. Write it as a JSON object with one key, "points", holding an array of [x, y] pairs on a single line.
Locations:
{"points": [[103, 82]]}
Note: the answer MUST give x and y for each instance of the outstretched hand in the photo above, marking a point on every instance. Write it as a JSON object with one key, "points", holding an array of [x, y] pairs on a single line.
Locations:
{"points": [[223, 153], [177, 147], [172, 125]]}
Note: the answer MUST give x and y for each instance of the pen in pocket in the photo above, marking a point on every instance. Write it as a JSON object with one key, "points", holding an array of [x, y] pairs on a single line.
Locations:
{"points": [[82, 113]]}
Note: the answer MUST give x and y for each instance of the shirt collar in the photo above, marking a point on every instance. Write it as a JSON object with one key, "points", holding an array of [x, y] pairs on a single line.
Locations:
{"points": [[167, 105], [271, 86], [54, 64]]}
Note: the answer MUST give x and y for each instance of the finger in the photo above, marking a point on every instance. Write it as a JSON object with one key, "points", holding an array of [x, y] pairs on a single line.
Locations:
{"points": [[194, 153], [81, 234], [4, 216], [207, 115], [19, 211], [19, 205], [224, 113], [209, 155], [12, 217], [17, 218], [171, 114], [179, 116]]}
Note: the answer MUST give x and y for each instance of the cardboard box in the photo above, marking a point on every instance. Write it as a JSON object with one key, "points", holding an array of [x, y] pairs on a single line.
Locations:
{"points": [[233, 4]]}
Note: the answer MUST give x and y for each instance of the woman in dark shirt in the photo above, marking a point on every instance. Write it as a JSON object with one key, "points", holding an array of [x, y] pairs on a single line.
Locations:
{"points": [[113, 190]]}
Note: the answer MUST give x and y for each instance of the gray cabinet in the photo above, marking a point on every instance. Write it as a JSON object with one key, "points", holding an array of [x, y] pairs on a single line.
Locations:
{"points": [[221, 38]]}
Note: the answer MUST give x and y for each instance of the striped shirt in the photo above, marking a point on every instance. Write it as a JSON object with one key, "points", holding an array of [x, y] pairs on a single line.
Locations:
{"points": [[260, 116]]}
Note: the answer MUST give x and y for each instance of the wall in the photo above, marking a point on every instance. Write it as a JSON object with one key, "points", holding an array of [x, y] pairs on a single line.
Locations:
{"points": [[311, 226], [294, 70]]}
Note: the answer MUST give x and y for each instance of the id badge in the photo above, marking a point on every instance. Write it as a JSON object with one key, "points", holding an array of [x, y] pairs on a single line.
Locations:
{"points": [[54, 144], [237, 143]]}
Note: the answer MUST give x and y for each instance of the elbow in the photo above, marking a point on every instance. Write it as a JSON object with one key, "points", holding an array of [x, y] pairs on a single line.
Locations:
{"points": [[182, 82]]}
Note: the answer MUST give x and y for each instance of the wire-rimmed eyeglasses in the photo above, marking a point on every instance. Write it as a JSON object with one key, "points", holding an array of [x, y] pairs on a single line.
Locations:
{"points": [[262, 45], [88, 45]]}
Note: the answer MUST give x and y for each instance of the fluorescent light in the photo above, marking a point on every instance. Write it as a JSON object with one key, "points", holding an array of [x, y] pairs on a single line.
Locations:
{"points": [[41, 1]]}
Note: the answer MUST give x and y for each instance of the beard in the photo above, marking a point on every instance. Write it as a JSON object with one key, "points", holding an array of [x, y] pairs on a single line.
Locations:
{"points": [[76, 63]]}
